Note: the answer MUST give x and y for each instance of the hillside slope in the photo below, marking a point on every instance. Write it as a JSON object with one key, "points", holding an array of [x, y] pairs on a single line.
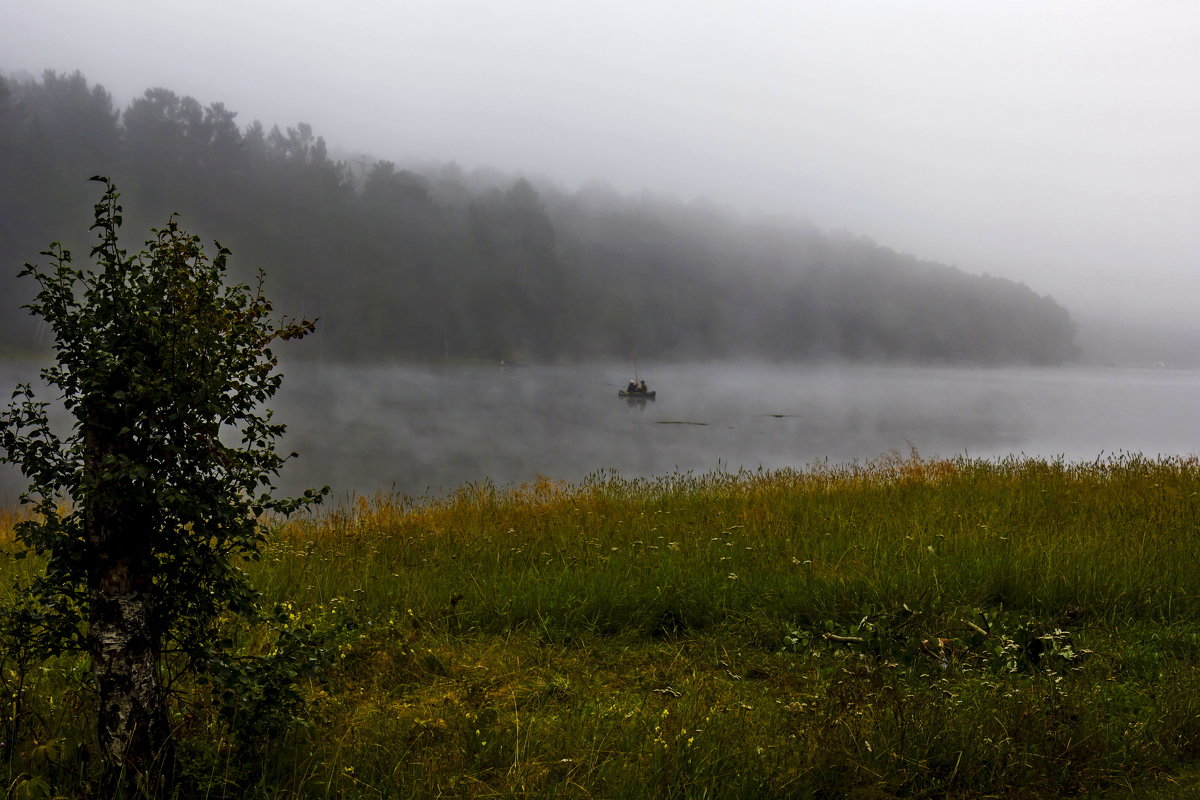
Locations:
{"points": [[434, 262]]}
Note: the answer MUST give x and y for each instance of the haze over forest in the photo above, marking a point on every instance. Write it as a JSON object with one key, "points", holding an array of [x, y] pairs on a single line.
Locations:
{"points": [[1052, 146], [440, 263]]}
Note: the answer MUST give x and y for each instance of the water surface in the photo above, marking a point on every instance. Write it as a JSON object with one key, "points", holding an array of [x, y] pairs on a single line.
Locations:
{"points": [[414, 430]]}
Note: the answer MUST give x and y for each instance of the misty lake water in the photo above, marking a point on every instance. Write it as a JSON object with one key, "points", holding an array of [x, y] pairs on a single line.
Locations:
{"points": [[416, 431]]}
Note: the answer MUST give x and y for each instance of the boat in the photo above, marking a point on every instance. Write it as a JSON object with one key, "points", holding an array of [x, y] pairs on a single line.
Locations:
{"points": [[636, 395]]}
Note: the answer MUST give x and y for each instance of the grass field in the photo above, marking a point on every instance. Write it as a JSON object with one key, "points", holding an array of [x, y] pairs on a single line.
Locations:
{"points": [[907, 628]]}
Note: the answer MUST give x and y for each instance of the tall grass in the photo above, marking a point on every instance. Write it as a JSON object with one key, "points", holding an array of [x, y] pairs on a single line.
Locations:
{"points": [[904, 628], [1115, 538]]}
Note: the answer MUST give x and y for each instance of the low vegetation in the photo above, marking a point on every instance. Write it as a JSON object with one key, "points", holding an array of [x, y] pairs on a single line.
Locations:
{"points": [[908, 628]]}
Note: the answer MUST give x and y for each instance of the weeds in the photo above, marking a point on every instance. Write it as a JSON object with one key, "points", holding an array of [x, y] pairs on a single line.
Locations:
{"points": [[909, 628]]}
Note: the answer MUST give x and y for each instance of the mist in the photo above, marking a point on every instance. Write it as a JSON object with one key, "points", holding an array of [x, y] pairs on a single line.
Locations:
{"points": [[426, 431], [421, 430], [1052, 145], [396, 431]]}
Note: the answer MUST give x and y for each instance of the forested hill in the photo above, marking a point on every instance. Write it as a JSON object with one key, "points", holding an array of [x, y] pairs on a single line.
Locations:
{"points": [[432, 263]]}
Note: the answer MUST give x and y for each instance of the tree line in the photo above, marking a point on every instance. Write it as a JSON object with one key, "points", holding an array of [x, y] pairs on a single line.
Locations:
{"points": [[433, 262]]}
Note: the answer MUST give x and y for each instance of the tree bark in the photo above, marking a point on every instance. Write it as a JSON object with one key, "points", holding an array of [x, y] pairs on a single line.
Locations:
{"points": [[133, 727]]}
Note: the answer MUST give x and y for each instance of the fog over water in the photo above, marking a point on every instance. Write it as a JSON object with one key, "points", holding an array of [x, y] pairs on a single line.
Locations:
{"points": [[418, 430]]}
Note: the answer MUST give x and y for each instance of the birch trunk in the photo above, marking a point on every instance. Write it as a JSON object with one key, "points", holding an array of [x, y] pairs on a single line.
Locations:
{"points": [[133, 729]]}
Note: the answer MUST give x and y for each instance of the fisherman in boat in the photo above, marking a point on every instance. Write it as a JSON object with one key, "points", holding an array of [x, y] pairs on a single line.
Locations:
{"points": [[632, 387], [642, 387]]}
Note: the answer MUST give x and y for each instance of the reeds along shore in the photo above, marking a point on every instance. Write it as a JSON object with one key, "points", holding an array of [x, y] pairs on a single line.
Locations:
{"points": [[905, 628]]}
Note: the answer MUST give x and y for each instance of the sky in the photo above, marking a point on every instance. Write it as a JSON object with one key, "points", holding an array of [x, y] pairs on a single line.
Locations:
{"points": [[1054, 142]]}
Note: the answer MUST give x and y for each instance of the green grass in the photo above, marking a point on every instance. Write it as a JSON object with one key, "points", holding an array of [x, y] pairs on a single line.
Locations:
{"points": [[908, 628]]}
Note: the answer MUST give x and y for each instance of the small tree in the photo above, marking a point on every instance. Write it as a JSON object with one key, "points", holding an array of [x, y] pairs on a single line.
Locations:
{"points": [[166, 472]]}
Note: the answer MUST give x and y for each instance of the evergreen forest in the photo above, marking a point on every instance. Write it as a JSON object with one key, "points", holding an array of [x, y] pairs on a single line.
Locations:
{"points": [[432, 262]]}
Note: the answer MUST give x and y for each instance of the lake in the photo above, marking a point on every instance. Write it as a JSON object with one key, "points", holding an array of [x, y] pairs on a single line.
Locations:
{"points": [[415, 430]]}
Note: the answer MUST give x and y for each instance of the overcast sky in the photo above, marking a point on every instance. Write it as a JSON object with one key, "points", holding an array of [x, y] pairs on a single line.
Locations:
{"points": [[1056, 142]]}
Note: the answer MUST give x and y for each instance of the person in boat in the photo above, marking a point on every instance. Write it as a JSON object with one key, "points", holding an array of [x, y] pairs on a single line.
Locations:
{"points": [[632, 387], [642, 387]]}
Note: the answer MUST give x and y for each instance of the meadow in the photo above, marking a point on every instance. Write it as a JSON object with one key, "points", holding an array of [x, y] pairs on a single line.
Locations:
{"points": [[905, 628]]}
